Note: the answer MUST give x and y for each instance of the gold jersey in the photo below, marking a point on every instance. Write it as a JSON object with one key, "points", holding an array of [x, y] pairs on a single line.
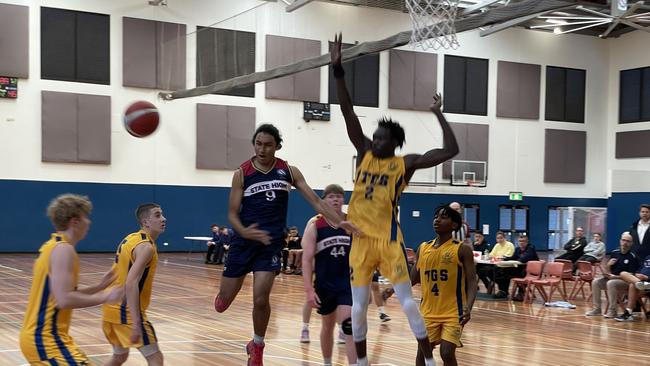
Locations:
{"points": [[378, 186], [120, 313], [443, 281], [44, 334]]}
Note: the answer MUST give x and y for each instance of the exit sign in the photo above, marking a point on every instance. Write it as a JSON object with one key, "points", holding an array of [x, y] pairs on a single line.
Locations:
{"points": [[516, 196]]}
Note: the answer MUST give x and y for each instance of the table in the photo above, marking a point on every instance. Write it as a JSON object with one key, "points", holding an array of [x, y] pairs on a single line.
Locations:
{"points": [[193, 240], [491, 266]]}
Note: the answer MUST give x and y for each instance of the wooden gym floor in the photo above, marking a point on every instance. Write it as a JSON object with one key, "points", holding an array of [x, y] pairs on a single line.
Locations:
{"points": [[192, 333]]}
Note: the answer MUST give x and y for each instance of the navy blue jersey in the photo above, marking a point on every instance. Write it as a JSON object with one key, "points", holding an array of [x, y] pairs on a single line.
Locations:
{"points": [[266, 197], [627, 262], [332, 267]]}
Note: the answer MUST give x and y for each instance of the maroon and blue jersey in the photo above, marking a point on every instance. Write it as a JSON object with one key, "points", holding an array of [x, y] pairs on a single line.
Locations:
{"points": [[266, 197], [331, 264]]}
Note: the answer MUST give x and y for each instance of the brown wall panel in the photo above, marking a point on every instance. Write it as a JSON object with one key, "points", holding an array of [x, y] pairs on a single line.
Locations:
{"points": [[565, 156], [211, 136], [170, 48], [59, 127], [426, 80], [139, 53], [307, 83], [94, 129], [241, 125], [279, 51], [14, 40], [633, 144], [400, 79]]}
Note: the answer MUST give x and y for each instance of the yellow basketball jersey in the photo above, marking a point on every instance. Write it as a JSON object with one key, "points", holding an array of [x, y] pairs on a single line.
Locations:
{"points": [[44, 334], [119, 313], [377, 188], [443, 281]]}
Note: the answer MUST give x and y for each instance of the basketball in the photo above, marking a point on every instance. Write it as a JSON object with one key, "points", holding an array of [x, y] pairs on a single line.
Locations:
{"points": [[141, 119]]}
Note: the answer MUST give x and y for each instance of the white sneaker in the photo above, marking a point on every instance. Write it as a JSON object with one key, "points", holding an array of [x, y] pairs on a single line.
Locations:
{"points": [[642, 285], [304, 336], [594, 312]]}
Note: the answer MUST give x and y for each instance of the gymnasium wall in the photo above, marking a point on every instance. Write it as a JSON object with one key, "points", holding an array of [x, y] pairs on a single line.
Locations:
{"points": [[162, 167]]}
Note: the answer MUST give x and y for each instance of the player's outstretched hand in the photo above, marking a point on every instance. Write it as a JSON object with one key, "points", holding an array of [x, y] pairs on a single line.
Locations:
{"points": [[436, 103], [313, 300], [335, 53], [251, 232], [467, 315], [350, 228]]}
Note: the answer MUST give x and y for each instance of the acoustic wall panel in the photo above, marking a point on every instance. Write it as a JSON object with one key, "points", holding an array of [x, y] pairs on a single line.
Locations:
{"points": [[565, 94], [93, 48], [14, 40], [139, 52], [634, 95], [473, 142], [412, 79], [565, 156], [171, 55], [633, 144], [94, 129], [466, 81], [361, 78], [306, 83], [303, 86], [518, 90]]}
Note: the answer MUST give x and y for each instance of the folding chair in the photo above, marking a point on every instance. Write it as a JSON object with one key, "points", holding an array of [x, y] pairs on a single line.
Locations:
{"points": [[553, 277], [585, 276], [534, 271]]}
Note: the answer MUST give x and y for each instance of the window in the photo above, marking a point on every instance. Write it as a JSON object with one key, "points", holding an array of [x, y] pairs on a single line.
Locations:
{"points": [[223, 54], [513, 221], [361, 78], [565, 94], [471, 216], [558, 232], [466, 85], [75, 46], [634, 97]]}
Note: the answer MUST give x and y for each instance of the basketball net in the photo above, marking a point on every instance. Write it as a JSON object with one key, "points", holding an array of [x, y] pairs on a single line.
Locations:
{"points": [[433, 23]]}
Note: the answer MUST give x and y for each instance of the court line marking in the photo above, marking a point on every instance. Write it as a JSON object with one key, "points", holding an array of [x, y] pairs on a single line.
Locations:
{"points": [[11, 268]]}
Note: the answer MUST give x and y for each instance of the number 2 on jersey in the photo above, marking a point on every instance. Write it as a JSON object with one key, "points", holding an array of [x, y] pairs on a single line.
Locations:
{"points": [[370, 189]]}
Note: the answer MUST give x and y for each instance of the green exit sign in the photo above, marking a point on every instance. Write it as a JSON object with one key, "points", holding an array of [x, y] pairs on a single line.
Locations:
{"points": [[516, 196]]}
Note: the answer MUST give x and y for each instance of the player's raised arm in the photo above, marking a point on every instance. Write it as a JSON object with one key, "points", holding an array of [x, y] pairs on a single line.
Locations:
{"points": [[355, 133], [434, 157], [319, 205], [234, 205]]}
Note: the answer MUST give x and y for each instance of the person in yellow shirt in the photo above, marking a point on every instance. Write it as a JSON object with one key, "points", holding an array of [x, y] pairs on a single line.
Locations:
{"points": [[445, 268], [381, 176], [44, 338], [126, 325], [502, 248]]}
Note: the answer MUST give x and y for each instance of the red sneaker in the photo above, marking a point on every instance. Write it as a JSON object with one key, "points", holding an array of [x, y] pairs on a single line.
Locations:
{"points": [[220, 305], [255, 353]]}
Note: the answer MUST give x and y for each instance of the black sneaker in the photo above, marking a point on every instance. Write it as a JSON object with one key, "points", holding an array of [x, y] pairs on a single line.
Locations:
{"points": [[625, 317], [384, 317]]}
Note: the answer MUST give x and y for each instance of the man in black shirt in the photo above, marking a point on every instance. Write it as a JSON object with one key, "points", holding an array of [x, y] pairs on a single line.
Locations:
{"points": [[620, 260], [523, 253], [575, 247]]}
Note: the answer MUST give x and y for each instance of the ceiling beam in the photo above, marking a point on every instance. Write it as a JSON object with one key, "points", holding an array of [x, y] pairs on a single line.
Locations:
{"points": [[515, 22], [478, 6], [631, 10], [297, 4]]}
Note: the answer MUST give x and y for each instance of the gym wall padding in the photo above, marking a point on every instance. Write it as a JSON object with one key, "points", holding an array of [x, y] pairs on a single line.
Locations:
{"points": [[466, 85], [76, 128], [564, 156], [14, 40], [412, 79], [153, 54], [223, 136], [518, 90], [303, 86], [223, 54], [75, 46], [565, 94]]}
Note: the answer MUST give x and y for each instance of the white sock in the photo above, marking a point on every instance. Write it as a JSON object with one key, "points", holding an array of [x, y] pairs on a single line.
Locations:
{"points": [[429, 362], [360, 313], [327, 361], [411, 310], [629, 310], [305, 326], [362, 361], [258, 339], [380, 309]]}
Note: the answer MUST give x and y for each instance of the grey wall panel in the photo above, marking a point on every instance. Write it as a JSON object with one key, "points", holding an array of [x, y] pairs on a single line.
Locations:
{"points": [[241, 126], [14, 40], [565, 156], [211, 136], [59, 127], [478, 137], [529, 90], [349, 68], [575, 95], [206, 56], [401, 79], [645, 94], [366, 81], [454, 75], [508, 89], [94, 129], [555, 93], [460, 131], [170, 50], [633, 144], [58, 56], [139, 52], [476, 86], [426, 80], [279, 51], [307, 83]]}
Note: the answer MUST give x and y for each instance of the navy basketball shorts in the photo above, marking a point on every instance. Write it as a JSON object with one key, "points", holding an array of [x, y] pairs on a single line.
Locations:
{"points": [[246, 256], [330, 299]]}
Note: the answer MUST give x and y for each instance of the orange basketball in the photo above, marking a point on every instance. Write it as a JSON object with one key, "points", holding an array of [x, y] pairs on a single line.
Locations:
{"points": [[141, 119]]}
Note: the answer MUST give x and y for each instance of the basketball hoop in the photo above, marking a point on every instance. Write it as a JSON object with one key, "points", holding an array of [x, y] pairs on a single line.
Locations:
{"points": [[433, 23]]}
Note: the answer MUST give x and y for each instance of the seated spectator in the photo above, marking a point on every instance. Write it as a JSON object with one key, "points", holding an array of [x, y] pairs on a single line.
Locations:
{"points": [[294, 260], [575, 247], [523, 253], [620, 260], [480, 244], [501, 249], [225, 236], [212, 244], [594, 251], [636, 283]]}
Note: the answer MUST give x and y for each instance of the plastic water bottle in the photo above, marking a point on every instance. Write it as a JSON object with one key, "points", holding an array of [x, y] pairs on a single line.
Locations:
{"points": [[486, 254]]}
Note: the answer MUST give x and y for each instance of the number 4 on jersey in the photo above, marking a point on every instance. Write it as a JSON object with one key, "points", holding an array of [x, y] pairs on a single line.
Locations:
{"points": [[335, 253]]}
